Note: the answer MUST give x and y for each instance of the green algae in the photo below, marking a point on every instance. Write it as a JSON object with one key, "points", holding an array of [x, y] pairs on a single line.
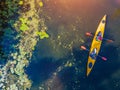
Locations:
{"points": [[23, 20], [43, 34], [69, 64], [20, 2], [41, 4], [24, 26]]}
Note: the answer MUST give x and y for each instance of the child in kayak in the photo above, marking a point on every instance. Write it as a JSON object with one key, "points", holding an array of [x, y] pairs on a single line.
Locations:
{"points": [[93, 54], [99, 36]]}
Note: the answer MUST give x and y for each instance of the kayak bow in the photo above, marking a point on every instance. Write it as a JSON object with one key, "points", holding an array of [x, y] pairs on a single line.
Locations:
{"points": [[96, 44]]}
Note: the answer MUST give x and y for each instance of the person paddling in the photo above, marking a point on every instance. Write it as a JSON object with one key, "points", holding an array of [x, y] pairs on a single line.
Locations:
{"points": [[93, 54], [99, 36]]}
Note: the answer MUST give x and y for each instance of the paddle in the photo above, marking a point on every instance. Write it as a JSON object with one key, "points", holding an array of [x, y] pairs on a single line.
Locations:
{"points": [[84, 48], [91, 35]]}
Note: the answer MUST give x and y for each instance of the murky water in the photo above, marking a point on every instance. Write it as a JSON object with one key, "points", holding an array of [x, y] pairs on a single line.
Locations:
{"points": [[67, 22]]}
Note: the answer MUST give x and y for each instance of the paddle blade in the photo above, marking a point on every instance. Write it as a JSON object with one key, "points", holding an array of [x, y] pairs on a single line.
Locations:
{"points": [[109, 41], [88, 34], [103, 58], [83, 47]]}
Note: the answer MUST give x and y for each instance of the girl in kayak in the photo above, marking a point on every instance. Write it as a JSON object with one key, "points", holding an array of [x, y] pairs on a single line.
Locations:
{"points": [[99, 36]]}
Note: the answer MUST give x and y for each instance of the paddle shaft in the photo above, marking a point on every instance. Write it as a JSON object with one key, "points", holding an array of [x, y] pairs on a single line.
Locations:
{"points": [[84, 48], [91, 35]]}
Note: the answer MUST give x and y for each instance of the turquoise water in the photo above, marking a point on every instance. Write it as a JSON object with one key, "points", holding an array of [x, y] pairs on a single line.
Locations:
{"points": [[67, 22]]}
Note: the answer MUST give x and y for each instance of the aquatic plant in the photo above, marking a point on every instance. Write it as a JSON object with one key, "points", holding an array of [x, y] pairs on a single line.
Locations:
{"points": [[22, 44], [21, 2], [43, 34], [8, 9], [41, 4], [13, 87], [24, 27], [24, 23]]}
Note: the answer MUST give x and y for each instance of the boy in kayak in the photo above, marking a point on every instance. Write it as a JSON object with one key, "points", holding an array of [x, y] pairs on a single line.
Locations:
{"points": [[93, 54], [99, 36]]}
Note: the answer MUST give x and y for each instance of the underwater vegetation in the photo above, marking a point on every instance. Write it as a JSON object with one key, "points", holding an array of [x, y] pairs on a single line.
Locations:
{"points": [[19, 29], [23, 25], [43, 34]]}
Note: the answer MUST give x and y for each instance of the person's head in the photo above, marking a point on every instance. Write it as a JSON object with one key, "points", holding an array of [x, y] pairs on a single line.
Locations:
{"points": [[99, 33]]}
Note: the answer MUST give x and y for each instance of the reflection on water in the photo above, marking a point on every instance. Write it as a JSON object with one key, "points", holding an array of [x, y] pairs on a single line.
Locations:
{"points": [[67, 21]]}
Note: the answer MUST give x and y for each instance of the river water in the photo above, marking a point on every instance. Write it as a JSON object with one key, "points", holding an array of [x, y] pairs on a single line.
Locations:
{"points": [[67, 21]]}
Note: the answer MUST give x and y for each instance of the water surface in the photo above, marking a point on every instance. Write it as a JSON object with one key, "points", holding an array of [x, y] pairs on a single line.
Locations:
{"points": [[67, 22]]}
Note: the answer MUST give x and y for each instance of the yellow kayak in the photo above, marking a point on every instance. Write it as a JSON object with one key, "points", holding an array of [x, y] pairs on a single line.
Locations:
{"points": [[96, 44]]}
